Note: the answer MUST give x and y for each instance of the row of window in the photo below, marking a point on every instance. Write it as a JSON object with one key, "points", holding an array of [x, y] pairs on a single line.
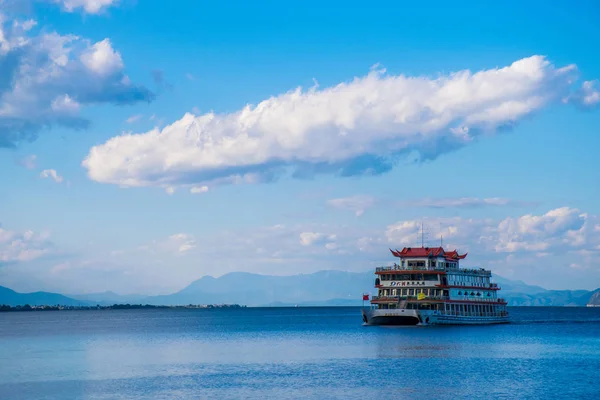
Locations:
{"points": [[429, 292], [473, 294], [474, 309], [469, 280], [412, 292], [428, 263], [409, 277]]}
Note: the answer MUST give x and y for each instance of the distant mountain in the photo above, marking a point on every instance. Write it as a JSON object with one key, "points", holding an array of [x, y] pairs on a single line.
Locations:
{"points": [[517, 286], [518, 293], [12, 298], [108, 298], [548, 298], [261, 290]]}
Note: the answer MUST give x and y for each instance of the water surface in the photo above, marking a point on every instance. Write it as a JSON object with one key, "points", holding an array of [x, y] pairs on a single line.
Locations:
{"points": [[310, 353]]}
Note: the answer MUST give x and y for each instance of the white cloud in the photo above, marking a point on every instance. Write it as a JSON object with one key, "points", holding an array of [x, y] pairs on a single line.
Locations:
{"points": [[557, 228], [88, 6], [357, 204], [308, 238], [47, 78], [22, 246], [102, 59], [316, 238], [588, 96], [591, 93], [199, 189], [182, 242], [133, 118], [52, 174], [357, 127]]}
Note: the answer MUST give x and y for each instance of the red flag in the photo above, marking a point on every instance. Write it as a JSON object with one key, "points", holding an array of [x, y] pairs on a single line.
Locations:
{"points": [[365, 297]]}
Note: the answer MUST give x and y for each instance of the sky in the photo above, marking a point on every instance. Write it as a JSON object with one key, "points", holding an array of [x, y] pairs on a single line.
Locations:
{"points": [[145, 144]]}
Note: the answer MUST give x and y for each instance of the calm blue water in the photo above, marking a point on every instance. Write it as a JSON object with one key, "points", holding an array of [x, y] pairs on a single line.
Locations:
{"points": [[309, 353]]}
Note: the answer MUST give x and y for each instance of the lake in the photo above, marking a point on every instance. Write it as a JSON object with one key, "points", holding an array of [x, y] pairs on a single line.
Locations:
{"points": [[309, 353]]}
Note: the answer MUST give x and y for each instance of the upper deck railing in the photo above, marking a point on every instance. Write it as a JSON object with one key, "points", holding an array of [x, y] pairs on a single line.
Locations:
{"points": [[400, 269]]}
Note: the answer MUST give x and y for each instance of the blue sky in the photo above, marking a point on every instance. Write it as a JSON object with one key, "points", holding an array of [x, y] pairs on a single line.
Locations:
{"points": [[99, 191]]}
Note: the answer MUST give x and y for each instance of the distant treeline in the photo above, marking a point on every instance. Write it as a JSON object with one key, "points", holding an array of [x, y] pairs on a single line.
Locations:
{"points": [[27, 307]]}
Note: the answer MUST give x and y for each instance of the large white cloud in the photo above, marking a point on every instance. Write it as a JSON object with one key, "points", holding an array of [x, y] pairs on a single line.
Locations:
{"points": [[358, 127], [46, 78], [557, 231]]}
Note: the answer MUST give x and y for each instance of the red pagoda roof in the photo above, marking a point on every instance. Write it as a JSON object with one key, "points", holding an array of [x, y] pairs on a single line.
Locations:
{"points": [[428, 252]]}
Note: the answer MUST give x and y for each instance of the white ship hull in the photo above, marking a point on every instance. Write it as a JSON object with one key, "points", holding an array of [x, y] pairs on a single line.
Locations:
{"points": [[425, 317]]}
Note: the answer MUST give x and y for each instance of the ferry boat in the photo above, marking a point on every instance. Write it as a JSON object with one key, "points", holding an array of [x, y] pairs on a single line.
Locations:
{"points": [[428, 287]]}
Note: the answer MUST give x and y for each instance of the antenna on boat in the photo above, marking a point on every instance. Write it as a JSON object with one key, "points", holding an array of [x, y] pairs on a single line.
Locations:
{"points": [[424, 235]]}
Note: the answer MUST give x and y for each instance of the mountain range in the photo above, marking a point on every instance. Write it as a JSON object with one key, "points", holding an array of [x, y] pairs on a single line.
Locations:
{"points": [[12, 298], [323, 288]]}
